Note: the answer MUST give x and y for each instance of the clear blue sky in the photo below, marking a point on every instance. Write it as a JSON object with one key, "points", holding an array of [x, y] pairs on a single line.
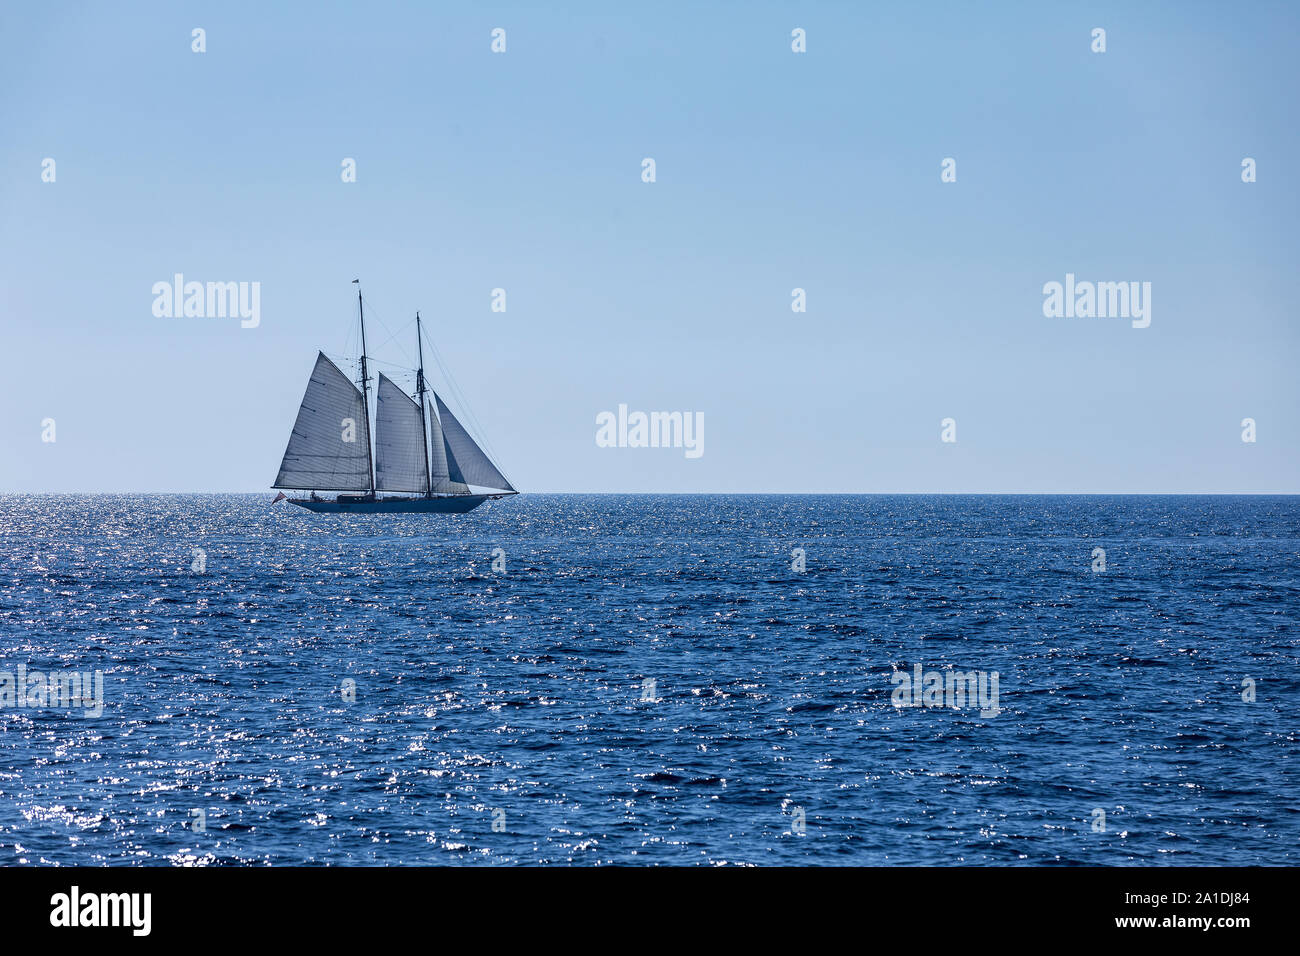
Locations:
{"points": [[775, 170]]}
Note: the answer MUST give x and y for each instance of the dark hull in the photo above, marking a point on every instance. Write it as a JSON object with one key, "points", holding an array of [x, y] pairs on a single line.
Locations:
{"points": [[452, 504]]}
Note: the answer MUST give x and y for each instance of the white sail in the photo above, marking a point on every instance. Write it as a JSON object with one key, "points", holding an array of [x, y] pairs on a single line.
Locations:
{"points": [[399, 440], [329, 447], [446, 473], [475, 467]]}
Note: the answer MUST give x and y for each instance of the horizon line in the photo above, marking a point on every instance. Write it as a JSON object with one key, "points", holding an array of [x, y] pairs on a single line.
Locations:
{"points": [[785, 494]]}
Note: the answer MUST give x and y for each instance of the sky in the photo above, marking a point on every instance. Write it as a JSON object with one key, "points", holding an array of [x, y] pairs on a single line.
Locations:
{"points": [[774, 170]]}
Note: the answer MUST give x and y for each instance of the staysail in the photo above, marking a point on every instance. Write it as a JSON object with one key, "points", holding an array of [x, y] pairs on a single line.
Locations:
{"points": [[329, 447], [399, 441], [464, 455], [446, 473]]}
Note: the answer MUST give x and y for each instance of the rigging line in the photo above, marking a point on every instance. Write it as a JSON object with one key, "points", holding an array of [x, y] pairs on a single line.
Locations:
{"points": [[463, 402], [348, 337], [465, 406], [346, 365], [391, 335], [391, 365], [342, 358]]}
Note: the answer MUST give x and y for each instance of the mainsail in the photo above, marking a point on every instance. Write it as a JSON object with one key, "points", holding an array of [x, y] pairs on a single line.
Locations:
{"points": [[399, 440], [329, 447], [465, 456], [446, 473]]}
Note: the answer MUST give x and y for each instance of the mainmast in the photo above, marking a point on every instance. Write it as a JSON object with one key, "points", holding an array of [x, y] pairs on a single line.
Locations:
{"points": [[419, 397], [365, 388]]}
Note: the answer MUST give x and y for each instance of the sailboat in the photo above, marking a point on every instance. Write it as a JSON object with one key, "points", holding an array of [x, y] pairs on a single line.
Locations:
{"points": [[424, 459]]}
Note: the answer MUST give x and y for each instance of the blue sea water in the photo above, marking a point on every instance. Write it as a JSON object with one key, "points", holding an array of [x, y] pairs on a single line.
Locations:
{"points": [[649, 681]]}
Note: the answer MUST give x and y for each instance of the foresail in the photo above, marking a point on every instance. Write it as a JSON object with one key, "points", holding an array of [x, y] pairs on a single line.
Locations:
{"points": [[446, 473], [475, 467], [328, 448], [399, 440]]}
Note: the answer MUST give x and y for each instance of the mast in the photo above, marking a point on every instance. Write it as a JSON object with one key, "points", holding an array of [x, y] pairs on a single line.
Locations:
{"points": [[419, 397], [365, 388]]}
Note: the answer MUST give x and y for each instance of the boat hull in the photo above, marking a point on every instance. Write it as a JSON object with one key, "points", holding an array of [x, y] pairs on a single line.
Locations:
{"points": [[451, 504]]}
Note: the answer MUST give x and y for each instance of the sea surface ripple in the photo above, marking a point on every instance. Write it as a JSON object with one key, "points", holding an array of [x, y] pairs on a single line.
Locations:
{"points": [[650, 681]]}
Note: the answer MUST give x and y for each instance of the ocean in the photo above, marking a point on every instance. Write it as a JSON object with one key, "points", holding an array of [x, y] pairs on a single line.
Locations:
{"points": [[643, 679]]}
